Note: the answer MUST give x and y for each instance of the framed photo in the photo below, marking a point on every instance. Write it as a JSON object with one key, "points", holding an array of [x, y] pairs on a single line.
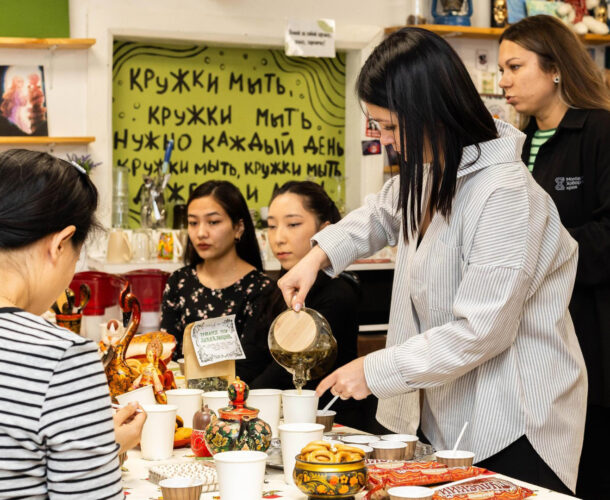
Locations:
{"points": [[23, 102]]}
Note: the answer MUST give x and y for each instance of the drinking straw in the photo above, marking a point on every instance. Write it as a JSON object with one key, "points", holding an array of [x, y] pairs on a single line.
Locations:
{"points": [[459, 437], [330, 403]]}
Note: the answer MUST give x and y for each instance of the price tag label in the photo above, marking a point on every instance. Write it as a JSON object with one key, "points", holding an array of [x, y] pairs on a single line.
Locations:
{"points": [[216, 340]]}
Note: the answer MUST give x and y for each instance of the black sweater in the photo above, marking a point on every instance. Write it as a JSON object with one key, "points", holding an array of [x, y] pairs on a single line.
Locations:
{"points": [[573, 166]]}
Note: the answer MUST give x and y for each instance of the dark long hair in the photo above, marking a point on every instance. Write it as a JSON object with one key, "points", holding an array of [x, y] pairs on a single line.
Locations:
{"points": [[315, 200], [418, 76], [41, 195], [581, 84], [232, 201]]}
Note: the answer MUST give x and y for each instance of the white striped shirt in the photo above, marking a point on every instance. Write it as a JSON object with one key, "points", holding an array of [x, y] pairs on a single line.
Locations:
{"points": [[56, 429], [479, 315]]}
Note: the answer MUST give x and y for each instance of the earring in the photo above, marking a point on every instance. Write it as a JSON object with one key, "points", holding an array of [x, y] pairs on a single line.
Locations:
{"points": [[556, 80]]}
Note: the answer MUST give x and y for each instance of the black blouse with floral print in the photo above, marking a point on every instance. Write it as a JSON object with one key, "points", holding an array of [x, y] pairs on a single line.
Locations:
{"points": [[186, 300]]}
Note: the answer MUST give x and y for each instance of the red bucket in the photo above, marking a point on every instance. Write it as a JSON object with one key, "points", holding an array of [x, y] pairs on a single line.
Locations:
{"points": [[105, 289], [148, 285]]}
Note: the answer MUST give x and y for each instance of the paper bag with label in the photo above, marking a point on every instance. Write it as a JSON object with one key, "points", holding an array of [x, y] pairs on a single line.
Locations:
{"points": [[210, 348]]}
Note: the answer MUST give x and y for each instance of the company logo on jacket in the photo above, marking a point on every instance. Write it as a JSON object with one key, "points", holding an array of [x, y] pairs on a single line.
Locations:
{"points": [[568, 183]]}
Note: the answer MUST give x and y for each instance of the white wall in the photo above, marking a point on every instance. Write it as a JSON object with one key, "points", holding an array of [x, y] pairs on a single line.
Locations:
{"points": [[80, 85]]}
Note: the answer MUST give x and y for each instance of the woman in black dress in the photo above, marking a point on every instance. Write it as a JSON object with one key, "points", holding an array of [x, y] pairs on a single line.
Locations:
{"points": [[297, 211], [223, 274]]}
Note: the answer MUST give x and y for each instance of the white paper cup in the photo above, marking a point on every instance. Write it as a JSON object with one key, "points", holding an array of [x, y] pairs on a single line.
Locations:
{"points": [[157, 442], [216, 400], [408, 439], [143, 395], [457, 458], [188, 402], [389, 450], [240, 474], [299, 408], [368, 451], [360, 439], [411, 492], [268, 402], [294, 437]]}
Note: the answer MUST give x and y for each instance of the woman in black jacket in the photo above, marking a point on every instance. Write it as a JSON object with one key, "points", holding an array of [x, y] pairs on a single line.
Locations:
{"points": [[549, 77], [297, 211]]}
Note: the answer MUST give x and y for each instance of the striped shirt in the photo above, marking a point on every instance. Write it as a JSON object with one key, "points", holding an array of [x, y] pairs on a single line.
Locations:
{"points": [[479, 314], [56, 429], [539, 138]]}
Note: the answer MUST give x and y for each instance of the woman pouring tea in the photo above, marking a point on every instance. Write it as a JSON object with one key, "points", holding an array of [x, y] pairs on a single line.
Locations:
{"points": [[484, 272]]}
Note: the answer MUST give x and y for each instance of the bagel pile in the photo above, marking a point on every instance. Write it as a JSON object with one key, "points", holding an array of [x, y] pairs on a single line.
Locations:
{"points": [[324, 452]]}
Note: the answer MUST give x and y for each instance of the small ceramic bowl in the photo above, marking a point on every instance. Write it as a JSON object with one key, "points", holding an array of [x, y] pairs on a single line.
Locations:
{"points": [[329, 480]]}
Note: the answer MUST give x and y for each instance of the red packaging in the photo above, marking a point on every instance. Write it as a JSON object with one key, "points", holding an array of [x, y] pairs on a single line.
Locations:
{"points": [[485, 488], [384, 475]]}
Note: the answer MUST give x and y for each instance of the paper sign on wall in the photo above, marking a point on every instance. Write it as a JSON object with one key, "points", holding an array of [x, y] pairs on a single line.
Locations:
{"points": [[310, 38], [216, 340]]}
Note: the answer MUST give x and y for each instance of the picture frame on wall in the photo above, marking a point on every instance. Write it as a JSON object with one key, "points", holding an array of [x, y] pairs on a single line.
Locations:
{"points": [[23, 101], [505, 12]]}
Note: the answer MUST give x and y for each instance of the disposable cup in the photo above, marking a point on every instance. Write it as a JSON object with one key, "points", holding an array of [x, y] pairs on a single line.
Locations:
{"points": [[143, 395], [216, 400], [181, 488], [410, 492], [268, 402], [408, 439], [188, 401], [360, 439], [326, 418], [157, 442], [294, 437], [457, 458], [240, 474], [389, 450], [299, 407], [368, 450]]}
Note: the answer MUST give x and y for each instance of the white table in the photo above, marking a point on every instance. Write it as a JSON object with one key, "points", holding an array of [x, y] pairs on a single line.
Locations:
{"points": [[138, 487]]}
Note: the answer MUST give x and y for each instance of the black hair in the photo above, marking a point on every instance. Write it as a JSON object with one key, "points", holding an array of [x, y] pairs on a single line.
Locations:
{"points": [[316, 200], [229, 197], [41, 195], [417, 75]]}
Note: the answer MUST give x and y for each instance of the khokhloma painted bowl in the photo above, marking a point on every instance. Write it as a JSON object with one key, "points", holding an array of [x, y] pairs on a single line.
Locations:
{"points": [[329, 480]]}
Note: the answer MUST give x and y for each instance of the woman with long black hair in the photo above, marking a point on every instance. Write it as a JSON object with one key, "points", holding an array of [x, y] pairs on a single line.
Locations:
{"points": [[223, 273], [484, 272]]}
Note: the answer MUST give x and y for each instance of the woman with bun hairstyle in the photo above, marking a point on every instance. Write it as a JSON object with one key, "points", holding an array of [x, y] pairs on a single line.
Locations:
{"points": [[56, 432], [297, 211], [223, 274], [548, 76]]}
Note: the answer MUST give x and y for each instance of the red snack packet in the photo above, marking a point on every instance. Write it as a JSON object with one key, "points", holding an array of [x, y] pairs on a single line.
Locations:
{"points": [[486, 488], [384, 475]]}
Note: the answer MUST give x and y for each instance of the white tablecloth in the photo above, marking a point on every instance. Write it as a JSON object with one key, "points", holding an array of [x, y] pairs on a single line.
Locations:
{"points": [[138, 487]]}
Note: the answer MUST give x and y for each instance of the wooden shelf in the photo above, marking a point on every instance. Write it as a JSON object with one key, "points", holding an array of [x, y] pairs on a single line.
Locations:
{"points": [[46, 43], [488, 33], [45, 140]]}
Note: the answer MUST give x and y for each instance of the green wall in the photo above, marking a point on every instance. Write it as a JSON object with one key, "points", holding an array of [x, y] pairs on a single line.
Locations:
{"points": [[35, 18]]}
